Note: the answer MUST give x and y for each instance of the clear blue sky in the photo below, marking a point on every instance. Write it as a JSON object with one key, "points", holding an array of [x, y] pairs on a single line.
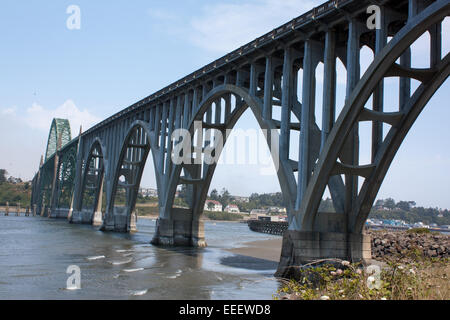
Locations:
{"points": [[124, 52]]}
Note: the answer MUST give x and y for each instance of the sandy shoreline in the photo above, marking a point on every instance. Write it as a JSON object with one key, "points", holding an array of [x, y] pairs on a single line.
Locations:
{"points": [[255, 255], [266, 249]]}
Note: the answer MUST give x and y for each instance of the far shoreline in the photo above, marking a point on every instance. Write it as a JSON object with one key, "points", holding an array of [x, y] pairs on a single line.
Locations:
{"points": [[204, 220]]}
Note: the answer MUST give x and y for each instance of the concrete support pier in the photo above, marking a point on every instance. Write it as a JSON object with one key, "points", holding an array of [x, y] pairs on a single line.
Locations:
{"points": [[98, 219], [82, 217], [59, 213], [303, 247], [330, 239], [181, 230], [120, 221]]}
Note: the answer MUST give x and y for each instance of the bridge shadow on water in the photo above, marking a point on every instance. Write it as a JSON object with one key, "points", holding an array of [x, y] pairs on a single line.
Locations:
{"points": [[251, 263]]}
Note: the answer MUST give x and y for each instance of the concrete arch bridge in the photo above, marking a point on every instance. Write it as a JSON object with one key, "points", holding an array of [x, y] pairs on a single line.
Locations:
{"points": [[263, 76]]}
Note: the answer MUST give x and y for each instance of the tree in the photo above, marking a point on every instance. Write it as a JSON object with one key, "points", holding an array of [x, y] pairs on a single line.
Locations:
{"points": [[215, 195], [225, 198], [403, 205], [379, 203], [184, 194], [389, 203], [3, 174], [210, 206]]}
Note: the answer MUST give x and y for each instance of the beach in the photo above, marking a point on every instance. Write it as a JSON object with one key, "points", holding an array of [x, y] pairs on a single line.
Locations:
{"points": [[269, 250]]}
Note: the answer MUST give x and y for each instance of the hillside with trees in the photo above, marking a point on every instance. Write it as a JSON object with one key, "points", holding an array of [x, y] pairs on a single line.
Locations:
{"points": [[408, 211], [14, 190]]}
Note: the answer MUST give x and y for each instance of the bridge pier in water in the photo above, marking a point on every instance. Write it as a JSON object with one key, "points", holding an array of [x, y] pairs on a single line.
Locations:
{"points": [[181, 230]]}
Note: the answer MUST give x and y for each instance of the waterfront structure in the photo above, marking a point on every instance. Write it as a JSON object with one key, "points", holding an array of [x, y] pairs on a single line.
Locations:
{"points": [[263, 76], [213, 206]]}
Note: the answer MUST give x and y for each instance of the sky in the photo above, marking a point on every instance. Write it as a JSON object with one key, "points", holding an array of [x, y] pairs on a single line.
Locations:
{"points": [[123, 52]]}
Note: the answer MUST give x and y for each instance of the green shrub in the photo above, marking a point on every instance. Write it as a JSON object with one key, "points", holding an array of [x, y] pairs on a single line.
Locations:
{"points": [[223, 216], [419, 231]]}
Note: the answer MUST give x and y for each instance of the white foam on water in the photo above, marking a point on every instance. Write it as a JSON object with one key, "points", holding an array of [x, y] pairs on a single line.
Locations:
{"points": [[122, 251], [118, 263], [96, 258], [127, 254], [173, 277], [178, 272], [133, 270], [139, 293]]}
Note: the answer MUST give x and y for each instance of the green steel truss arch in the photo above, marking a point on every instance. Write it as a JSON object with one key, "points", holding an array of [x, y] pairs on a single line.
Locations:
{"points": [[59, 130]]}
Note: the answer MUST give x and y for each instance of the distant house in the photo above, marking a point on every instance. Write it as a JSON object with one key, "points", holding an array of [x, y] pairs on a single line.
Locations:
{"points": [[241, 199], [148, 192], [232, 208], [212, 205], [277, 210]]}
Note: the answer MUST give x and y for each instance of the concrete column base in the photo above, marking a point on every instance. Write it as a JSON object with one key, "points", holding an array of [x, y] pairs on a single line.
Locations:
{"points": [[179, 233], [133, 222], [98, 219], [82, 217], [59, 213], [69, 215], [303, 247], [120, 221]]}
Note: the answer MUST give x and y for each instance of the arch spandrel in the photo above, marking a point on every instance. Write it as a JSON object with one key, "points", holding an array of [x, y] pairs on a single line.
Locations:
{"points": [[284, 173]]}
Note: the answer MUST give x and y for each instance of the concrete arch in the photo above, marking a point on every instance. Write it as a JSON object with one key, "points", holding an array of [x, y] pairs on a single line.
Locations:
{"points": [[285, 174], [97, 145], [382, 67], [119, 219], [68, 162]]}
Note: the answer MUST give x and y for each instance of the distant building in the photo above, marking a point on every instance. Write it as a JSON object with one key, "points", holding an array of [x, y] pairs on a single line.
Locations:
{"points": [[212, 205], [259, 212], [267, 218], [241, 199], [277, 210], [232, 208], [420, 225], [148, 192]]}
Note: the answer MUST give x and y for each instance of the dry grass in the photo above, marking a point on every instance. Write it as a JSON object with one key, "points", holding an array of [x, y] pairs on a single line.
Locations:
{"points": [[407, 277]]}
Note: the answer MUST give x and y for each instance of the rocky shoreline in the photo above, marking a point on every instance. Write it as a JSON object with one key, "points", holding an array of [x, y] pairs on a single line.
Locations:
{"points": [[388, 243]]}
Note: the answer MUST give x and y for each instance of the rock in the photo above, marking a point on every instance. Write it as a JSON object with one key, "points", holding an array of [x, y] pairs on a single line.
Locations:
{"points": [[432, 253], [388, 243]]}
